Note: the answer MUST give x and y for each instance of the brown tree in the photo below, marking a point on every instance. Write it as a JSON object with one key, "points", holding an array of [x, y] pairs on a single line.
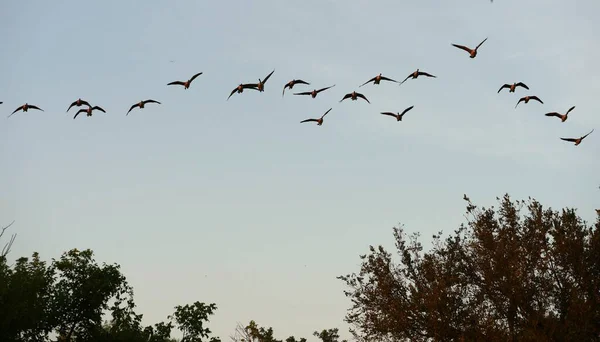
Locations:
{"points": [[508, 274]]}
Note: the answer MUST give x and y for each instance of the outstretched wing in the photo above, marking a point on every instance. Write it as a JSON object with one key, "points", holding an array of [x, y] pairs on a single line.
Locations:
{"points": [[194, 77], [322, 89], [35, 107], [80, 111], [176, 82], [389, 113], [504, 86], [521, 84], [301, 82], [322, 116], [570, 109], [16, 110], [309, 120], [347, 96], [151, 101], [481, 43], [535, 98], [406, 110], [304, 93], [583, 137], [407, 77], [135, 105], [520, 100], [371, 80], [99, 108], [462, 47], [363, 97], [426, 74], [267, 78], [388, 79], [232, 92], [569, 139], [554, 114]]}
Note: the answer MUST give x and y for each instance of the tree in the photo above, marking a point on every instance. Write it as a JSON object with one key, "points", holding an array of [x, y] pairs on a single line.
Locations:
{"points": [[504, 275], [252, 332], [328, 335], [69, 297]]}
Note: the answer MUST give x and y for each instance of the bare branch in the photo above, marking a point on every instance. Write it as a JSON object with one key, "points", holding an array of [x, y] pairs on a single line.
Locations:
{"points": [[6, 248]]}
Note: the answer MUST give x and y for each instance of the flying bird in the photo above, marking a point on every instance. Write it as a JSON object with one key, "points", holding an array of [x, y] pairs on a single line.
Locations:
{"points": [[562, 117], [240, 89], [319, 121], [291, 85], [187, 83], [472, 52], [353, 96], [141, 104], [377, 79], [398, 116], [24, 108], [260, 86], [577, 141], [314, 93], [89, 110], [79, 102], [512, 87], [416, 74], [527, 98]]}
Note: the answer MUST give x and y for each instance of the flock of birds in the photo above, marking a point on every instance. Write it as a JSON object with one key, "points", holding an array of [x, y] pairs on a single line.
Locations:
{"points": [[354, 95]]}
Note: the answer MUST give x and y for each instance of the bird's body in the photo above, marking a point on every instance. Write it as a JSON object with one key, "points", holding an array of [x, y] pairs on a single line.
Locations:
{"points": [[187, 83], [377, 79], [260, 86], [240, 89], [577, 141], [25, 108], [526, 99], [89, 110], [315, 92], [472, 52], [319, 121], [398, 116], [415, 74], [141, 104], [512, 87], [353, 96], [562, 117], [291, 85], [78, 103]]}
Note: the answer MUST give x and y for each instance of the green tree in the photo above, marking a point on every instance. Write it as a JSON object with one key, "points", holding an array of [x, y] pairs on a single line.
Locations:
{"points": [[504, 275], [67, 299], [254, 333], [328, 335]]}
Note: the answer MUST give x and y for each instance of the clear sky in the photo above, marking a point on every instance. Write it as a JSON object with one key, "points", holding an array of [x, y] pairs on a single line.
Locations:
{"points": [[235, 202]]}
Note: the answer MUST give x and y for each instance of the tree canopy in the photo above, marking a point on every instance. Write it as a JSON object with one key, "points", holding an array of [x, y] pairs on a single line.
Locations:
{"points": [[519, 272]]}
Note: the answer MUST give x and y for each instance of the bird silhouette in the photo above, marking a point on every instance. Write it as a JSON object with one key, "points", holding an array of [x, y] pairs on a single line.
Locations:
{"points": [[240, 89], [512, 87], [353, 96], [472, 52], [562, 117], [24, 108], [416, 74], [187, 83], [527, 98], [377, 79], [319, 121], [89, 110], [260, 86], [291, 85], [577, 141], [398, 116], [141, 104], [79, 102], [315, 92]]}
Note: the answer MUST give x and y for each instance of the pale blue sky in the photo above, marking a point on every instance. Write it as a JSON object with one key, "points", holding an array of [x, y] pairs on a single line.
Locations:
{"points": [[235, 202]]}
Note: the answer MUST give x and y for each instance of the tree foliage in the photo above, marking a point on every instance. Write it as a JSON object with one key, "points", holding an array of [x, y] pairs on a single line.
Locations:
{"points": [[507, 274], [67, 299]]}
